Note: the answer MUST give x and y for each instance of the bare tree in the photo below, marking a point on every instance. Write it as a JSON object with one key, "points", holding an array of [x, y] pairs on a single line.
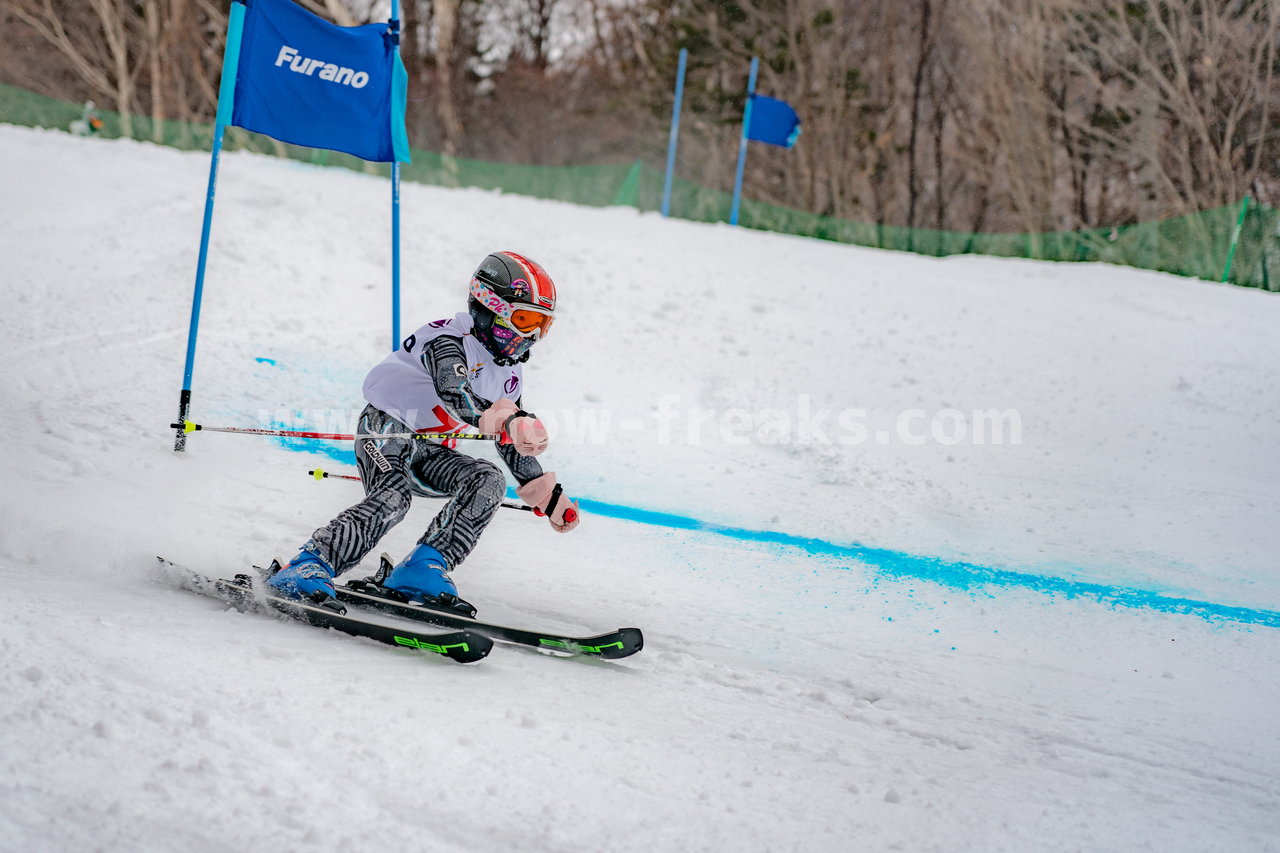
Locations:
{"points": [[1016, 121], [158, 31], [924, 53], [1194, 80], [964, 115], [446, 16], [100, 38]]}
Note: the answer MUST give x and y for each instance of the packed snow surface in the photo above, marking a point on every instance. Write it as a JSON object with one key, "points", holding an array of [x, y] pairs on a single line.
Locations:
{"points": [[942, 616]]}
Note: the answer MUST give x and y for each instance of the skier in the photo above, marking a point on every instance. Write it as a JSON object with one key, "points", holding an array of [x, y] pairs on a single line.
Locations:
{"points": [[446, 377]]}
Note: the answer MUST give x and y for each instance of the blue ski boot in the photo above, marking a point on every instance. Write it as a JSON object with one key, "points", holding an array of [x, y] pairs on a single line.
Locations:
{"points": [[306, 576], [423, 576]]}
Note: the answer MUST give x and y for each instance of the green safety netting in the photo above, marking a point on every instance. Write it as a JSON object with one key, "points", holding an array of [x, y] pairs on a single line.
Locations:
{"points": [[1198, 244]]}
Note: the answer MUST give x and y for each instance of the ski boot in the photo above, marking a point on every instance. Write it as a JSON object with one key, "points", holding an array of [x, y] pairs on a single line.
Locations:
{"points": [[423, 577], [305, 577]]}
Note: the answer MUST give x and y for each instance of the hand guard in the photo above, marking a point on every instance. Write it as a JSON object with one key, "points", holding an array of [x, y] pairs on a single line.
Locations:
{"points": [[546, 497], [527, 433], [519, 428]]}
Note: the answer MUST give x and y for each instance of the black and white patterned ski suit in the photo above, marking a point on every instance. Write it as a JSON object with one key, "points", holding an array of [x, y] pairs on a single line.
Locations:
{"points": [[393, 470]]}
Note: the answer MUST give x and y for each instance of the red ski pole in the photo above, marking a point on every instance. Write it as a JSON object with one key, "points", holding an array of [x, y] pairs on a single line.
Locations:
{"points": [[189, 427]]}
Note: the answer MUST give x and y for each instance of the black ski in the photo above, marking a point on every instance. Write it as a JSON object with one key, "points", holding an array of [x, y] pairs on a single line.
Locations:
{"points": [[243, 593], [611, 645]]}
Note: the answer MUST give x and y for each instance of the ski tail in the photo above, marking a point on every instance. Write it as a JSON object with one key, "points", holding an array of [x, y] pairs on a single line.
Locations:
{"points": [[249, 594]]}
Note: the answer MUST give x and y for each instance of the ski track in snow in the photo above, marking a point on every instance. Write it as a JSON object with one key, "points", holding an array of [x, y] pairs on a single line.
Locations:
{"points": [[784, 701]]}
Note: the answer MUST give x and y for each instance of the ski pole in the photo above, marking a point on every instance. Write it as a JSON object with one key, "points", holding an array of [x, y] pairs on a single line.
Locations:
{"points": [[321, 474], [188, 427]]}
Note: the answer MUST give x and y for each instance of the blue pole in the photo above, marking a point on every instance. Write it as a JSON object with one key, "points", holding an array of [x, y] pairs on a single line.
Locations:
{"points": [[675, 134], [395, 210], [742, 143], [395, 255], [226, 102]]}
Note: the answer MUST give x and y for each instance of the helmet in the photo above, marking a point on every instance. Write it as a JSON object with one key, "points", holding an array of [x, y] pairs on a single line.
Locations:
{"points": [[512, 303]]}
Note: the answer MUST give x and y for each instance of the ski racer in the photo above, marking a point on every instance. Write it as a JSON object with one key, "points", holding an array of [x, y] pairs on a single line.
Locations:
{"points": [[450, 376]]}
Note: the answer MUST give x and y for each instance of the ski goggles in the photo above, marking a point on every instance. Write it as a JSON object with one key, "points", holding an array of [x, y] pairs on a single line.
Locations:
{"points": [[529, 320]]}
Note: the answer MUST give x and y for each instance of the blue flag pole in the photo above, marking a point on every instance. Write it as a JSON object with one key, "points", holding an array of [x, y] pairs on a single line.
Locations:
{"points": [[675, 133], [226, 101], [395, 206], [395, 256], [742, 143]]}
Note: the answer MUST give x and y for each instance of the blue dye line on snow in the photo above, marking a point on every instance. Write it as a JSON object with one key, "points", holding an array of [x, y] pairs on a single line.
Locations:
{"points": [[899, 565], [306, 445], [956, 575]]}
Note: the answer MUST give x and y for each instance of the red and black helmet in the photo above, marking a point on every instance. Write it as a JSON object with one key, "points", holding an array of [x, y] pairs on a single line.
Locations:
{"points": [[512, 302]]}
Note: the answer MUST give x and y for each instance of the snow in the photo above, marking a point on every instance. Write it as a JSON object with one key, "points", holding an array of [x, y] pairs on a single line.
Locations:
{"points": [[901, 644]]}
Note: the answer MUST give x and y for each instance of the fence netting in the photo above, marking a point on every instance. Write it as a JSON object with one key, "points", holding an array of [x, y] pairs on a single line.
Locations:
{"points": [[1197, 244]]}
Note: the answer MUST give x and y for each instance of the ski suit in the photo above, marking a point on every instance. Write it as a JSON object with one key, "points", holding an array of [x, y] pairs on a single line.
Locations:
{"points": [[441, 379]]}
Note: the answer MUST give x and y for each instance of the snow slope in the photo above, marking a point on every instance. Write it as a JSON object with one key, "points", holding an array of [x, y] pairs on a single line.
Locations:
{"points": [[869, 661]]}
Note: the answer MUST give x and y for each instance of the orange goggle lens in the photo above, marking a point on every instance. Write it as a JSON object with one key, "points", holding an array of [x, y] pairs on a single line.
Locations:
{"points": [[527, 322]]}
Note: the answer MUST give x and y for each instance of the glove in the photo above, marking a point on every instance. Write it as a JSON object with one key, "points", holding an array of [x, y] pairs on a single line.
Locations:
{"points": [[518, 427], [527, 433], [546, 497]]}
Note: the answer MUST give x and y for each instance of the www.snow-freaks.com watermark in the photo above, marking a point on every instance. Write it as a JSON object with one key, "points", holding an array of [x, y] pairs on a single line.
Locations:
{"points": [[670, 422], [805, 424]]}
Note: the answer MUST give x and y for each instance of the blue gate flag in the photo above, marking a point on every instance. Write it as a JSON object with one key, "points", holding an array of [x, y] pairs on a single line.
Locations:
{"points": [[773, 121], [306, 81]]}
